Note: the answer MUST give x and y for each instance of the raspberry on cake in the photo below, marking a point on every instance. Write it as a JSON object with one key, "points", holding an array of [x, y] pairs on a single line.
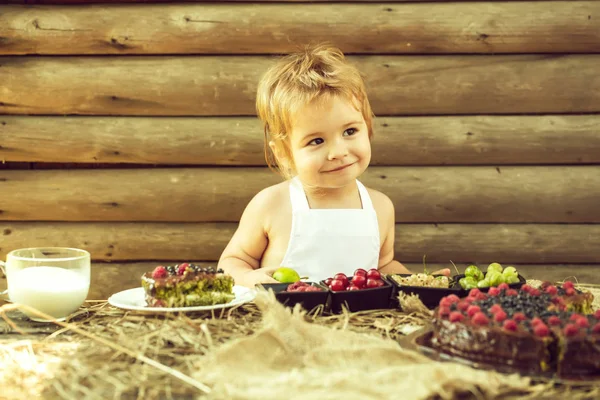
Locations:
{"points": [[546, 330], [187, 285]]}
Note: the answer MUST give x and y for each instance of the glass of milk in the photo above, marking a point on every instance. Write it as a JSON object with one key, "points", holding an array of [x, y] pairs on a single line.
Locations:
{"points": [[53, 280]]}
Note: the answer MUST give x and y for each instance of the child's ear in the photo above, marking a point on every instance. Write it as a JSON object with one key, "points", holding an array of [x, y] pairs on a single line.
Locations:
{"points": [[276, 151]]}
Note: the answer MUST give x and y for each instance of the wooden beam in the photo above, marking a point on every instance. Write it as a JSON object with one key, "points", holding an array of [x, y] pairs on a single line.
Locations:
{"points": [[472, 140], [226, 85], [411, 28], [461, 243], [420, 194]]}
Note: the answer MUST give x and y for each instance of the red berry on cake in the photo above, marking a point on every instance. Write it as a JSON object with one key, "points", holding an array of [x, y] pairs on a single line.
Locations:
{"points": [[534, 292], [541, 330], [569, 291], [554, 320], [536, 321], [495, 308], [453, 298], [481, 297], [519, 316], [571, 330], [500, 316], [568, 285], [455, 316], [480, 319], [582, 322], [494, 291], [510, 325], [552, 290], [444, 312], [526, 288], [596, 328], [597, 314], [463, 305], [574, 317], [512, 292], [503, 286], [474, 292], [181, 268], [446, 302], [472, 310], [159, 272]]}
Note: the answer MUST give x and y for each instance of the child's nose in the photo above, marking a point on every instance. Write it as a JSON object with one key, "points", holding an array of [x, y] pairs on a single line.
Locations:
{"points": [[338, 149]]}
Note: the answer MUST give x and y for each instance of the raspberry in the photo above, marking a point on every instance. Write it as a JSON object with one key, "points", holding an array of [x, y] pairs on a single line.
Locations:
{"points": [[495, 308], [453, 298], [503, 286], [534, 292], [568, 285], [494, 291], [526, 288], [597, 314], [582, 322], [571, 330], [510, 325], [596, 328], [569, 291], [462, 305], [469, 300], [554, 320], [472, 310], [541, 330], [455, 316], [480, 319], [444, 311], [445, 302], [512, 292], [536, 321], [181, 268], [519, 316], [474, 292], [159, 272], [552, 290], [500, 316], [574, 317], [481, 297]]}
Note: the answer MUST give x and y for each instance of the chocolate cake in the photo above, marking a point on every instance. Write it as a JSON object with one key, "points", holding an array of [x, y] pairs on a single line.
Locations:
{"points": [[186, 285], [545, 330]]}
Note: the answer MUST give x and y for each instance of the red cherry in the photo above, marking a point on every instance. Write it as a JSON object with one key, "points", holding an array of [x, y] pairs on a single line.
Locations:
{"points": [[373, 283], [360, 272], [510, 325], [571, 330], [480, 319], [373, 274], [328, 281], [359, 280], [353, 287], [181, 268], [341, 277], [500, 316], [472, 310], [337, 285], [519, 316], [554, 320], [541, 330], [455, 316], [159, 272], [494, 291]]}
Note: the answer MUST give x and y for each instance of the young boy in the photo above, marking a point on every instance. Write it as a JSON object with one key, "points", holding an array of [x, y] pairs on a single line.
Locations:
{"points": [[321, 220]]}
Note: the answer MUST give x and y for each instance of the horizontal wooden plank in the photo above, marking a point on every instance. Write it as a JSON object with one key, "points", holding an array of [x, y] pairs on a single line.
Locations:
{"points": [[226, 85], [420, 194], [74, 2], [463, 140], [411, 28], [461, 243]]}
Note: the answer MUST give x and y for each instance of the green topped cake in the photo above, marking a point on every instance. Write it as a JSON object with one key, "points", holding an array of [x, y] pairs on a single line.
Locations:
{"points": [[187, 285]]}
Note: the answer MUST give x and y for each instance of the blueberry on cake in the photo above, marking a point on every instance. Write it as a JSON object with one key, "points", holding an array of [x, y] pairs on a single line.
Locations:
{"points": [[187, 285]]}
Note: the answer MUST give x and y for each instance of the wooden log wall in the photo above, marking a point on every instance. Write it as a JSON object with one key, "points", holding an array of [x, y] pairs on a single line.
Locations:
{"points": [[128, 128]]}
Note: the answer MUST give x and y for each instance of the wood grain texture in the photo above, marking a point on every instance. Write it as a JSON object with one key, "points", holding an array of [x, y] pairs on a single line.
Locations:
{"points": [[411, 28], [440, 243], [420, 194], [466, 140], [226, 85]]}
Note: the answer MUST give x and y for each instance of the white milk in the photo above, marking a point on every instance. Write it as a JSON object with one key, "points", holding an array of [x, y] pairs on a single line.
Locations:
{"points": [[55, 291]]}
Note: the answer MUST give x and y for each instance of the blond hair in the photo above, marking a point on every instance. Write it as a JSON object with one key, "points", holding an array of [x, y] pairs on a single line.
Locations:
{"points": [[295, 81]]}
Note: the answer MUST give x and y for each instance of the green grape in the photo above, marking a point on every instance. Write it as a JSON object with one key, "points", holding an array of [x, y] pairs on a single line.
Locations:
{"points": [[494, 278], [512, 279], [509, 271], [482, 284], [495, 267], [463, 283]]}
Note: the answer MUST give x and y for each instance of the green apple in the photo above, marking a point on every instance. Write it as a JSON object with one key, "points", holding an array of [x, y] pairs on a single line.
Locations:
{"points": [[482, 284], [509, 271], [494, 267], [474, 272], [286, 275]]}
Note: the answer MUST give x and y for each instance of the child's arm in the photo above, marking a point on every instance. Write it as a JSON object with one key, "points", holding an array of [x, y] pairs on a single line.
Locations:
{"points": [[241, 258]]}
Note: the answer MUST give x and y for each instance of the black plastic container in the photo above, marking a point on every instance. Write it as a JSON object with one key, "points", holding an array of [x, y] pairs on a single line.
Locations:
{"points": [[360, 300], [308, 300], [430, 296], [516, 285]]}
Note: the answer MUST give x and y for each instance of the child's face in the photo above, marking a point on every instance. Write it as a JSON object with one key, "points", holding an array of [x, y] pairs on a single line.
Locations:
{"points": [[330, 143]]}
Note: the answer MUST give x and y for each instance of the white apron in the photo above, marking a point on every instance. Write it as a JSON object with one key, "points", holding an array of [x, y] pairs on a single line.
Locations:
{"points": [[324, 242]]}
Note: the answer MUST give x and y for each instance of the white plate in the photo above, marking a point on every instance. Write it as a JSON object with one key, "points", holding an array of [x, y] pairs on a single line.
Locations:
{"points": [[133, 299]]}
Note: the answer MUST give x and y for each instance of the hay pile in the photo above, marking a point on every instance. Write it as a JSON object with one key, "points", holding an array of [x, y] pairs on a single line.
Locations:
{"points": [[261, 351]]}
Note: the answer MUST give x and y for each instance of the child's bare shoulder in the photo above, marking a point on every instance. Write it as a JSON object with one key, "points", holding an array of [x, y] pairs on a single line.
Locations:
{"points": [[381, 202], [270, 198]]}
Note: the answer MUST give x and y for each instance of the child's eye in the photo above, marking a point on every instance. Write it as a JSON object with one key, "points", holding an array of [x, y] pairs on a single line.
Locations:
{"points": [[315, 142], [349, 132]]}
